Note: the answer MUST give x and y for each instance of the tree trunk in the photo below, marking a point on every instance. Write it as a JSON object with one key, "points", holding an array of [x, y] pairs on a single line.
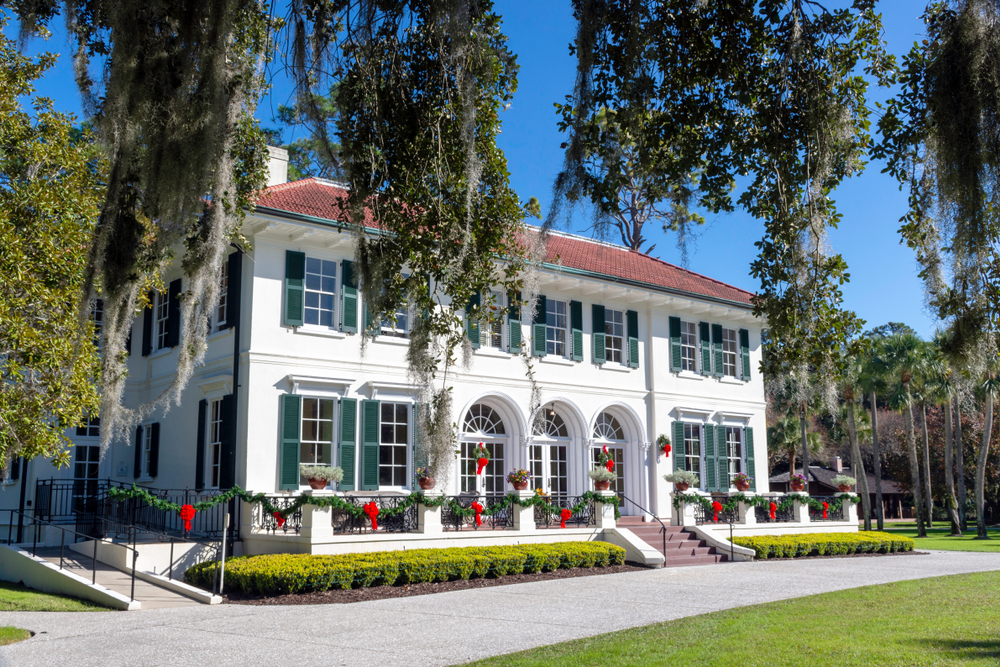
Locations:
{"points": [[927, 467], [791, 463], [877, 472], [984, 449], [858, 466], [911, 450], [949, 472], [805, 446], [963, 521]]}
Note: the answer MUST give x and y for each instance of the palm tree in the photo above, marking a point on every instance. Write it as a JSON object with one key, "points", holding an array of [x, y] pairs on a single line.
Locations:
{"points": [[901, 358], [921, 391], [943, 391], [783, 436], [848, 389], [989, 387], [871, 381], [960, 463]]}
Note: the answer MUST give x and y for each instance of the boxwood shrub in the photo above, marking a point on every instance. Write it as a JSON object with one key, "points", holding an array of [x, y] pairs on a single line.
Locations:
{"points": [[824, 544], [279, 574]]}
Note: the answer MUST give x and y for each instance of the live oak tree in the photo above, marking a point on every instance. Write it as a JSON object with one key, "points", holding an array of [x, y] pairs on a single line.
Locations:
{"points": [[51, 187]]}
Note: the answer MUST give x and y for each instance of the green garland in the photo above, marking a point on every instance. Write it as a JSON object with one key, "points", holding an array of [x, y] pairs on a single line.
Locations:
{"points": [[762, 501], [356, 511]]}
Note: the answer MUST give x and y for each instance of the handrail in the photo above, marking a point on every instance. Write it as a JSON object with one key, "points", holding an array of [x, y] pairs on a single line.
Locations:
{"points": [[663, 526], [217, 546], [35, 521], [732, 555]]}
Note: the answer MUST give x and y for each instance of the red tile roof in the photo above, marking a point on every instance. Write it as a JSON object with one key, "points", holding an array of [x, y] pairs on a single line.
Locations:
{"points": [[323, 199]]}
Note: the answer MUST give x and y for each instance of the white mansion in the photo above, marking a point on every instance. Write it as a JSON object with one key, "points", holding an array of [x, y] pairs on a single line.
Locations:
{"points": [[628, 347]]}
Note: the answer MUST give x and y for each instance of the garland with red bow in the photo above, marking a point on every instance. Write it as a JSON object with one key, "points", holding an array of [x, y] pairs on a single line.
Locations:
{"points": [[478, 509], [371, 509], [483, 458], [773, 508], [605, 459], [716, 508], [826, 506], [279, 518], [664, 443], [565, 514], [187, 514]]}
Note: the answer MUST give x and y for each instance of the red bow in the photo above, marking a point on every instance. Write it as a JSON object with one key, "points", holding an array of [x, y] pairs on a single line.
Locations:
{"points": [[825, 507], [666, 449], [565, 514], [772, 507], [187, 513], [371, 509], [610, 465], [280, 519], [605, 449], [478, 509], [716, 508], [482, 464]]}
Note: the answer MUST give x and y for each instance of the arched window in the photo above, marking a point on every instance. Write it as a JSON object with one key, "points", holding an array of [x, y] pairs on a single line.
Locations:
{"points": [[550, 425], [483, 419], [608, 428]]}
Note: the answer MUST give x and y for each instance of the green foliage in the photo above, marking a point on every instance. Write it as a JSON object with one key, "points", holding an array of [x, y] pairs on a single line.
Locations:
{"points": [[326, 473], [51, 188], [15, 597], [10, 635], [282, 574], [824, 544]]}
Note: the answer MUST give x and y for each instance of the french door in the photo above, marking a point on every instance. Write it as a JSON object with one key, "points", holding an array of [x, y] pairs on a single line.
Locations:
{"points": [[492, 481], [617, 454], [548, 464]]}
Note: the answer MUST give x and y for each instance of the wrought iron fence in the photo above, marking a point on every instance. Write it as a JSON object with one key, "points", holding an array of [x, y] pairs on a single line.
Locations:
{"points": [[545, 518], [500, 520], [831, 514], [763, 514], [265, 522], [403, 522], [702, 515]]}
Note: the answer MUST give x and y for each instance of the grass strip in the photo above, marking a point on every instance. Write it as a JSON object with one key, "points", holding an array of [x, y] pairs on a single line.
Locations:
{"points": [[14, 597]]}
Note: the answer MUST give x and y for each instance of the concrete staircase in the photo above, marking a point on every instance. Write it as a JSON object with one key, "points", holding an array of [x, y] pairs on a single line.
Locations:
{"points": [[682, 547]]}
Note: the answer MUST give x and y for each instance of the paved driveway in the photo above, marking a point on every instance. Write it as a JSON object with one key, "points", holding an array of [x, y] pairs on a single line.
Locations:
{"points": [[446, 628]]}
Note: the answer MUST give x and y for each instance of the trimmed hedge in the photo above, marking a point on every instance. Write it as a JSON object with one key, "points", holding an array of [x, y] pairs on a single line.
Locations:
{"points": [[824, 544], [279, 574]]}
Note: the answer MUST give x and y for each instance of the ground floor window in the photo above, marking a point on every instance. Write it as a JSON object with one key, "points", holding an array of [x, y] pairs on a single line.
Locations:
{"points": [[734, 451], [692, 448], [316, 444], [394, 435], [617, 454], [492, 481], [86, 468], [548, 465]]}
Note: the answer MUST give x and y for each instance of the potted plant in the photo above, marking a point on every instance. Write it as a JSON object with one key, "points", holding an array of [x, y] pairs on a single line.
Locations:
{"points": [[320, 476], [742, 482], [844, 482], [519, 479], [602, 478], [424, 478], [798, 482], [683, 480]]}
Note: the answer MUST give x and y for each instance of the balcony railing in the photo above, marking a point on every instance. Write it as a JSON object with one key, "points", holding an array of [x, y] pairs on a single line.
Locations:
{"points": [[501, 519], [763, 514], [547, 519], [831, 515], [403, 522]]}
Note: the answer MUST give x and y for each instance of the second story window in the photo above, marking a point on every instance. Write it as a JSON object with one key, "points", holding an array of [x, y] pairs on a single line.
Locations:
{"points": [[320, 293], [689, 346], [730, 349], [493, 330], [161, 320], [90, 429], [399, 326], [614, 333], [555, 327], [221, 311]]}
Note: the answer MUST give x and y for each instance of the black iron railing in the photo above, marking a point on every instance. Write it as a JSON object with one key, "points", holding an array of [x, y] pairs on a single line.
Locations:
{"points": [[831, 515], [263, 521], [402, 522], [703, 515], [763, 514], [545, 518], [501, 519]]}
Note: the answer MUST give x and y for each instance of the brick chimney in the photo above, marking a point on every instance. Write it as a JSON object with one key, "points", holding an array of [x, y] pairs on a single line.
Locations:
{"points": [[277, 166], [838, 464]]}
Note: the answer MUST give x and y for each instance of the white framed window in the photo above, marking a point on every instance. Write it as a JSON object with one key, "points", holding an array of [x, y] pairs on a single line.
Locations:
{"points": [[692, 448], [482, 424], [321, 293], [147, 449], [548, 462], [97, 317], [555, 327], [222, 311], [89, 429], [730, 350], [614, 335], [689, 347], [399, 326], [734, 451], [161, 317], [394, 436], [214, 444], [317, 435], [492, 330], [86, 470]]}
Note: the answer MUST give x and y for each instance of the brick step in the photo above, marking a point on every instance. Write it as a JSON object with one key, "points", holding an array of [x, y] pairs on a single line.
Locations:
{"points": [[680, 561], [681, 548]]}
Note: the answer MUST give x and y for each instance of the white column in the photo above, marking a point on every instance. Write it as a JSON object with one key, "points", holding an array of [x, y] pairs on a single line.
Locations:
{"points": [[747, 513], [604, 513], [684, 515], [524, 516], [801, 507], [429, 518], [317, 522], [850, 508]]}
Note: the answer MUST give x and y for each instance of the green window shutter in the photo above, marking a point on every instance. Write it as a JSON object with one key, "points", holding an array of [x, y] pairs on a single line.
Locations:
{"points": [[675, 344], [599, 351], [680, 448], [745, 352], [295, 278], [748, 446], [472, 323], [348, 442], [235, 269], [705, 338], [154, 450], [291, 417], [174, 313], [369, 444], [722, 455], [137, 464], [147, 327], [514, 322], [709, 481], [632, 318], [199, 464], [227, 455], [717, 348], [538, 329], [419, 453], [349, 308], [576, 329]]}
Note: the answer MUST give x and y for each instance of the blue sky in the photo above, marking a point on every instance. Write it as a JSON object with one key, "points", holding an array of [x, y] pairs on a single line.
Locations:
{"points": [[884, 285]]}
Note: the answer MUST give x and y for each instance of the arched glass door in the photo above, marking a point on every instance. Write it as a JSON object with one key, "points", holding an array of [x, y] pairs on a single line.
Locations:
{"points": [[482, 425], [609, 433], [548, 455]]}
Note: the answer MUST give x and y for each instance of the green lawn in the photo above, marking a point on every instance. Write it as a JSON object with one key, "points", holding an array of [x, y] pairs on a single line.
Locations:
{"points": [[9, 635], [943, 621], [937, 537], [18, 598]]}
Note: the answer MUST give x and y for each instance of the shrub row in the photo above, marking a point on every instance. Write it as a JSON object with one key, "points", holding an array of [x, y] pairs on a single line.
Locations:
{"points": [[279, 574], [824, 544]]}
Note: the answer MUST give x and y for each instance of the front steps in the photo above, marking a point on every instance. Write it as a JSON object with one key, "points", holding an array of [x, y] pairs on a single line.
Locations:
{"points": [[682, 547]]}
